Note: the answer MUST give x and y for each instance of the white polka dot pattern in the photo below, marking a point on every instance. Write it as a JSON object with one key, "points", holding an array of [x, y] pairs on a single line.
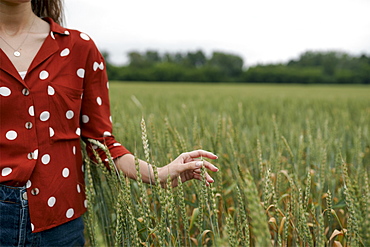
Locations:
{"points": [[51, 90], [107, 133], [6, 171], [31, 111], [11, 135], [65, 172], [85, 118], [45, 159], [69, 114], [60, 105], [81, 73], [44, 75], [4, 91], [70, 212], [99, 101], [44, 116], [28, 184], [32, 227], [97, 66], [51, 131], [51, 202], [84, 36], [35, 154], [65, 52]]}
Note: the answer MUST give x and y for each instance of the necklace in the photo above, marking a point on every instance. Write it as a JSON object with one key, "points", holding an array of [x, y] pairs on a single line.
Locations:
{"points": [[16, 52]]}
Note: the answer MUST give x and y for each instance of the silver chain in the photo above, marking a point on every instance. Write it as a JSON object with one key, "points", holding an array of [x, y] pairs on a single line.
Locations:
{"points": [[16, 52]]}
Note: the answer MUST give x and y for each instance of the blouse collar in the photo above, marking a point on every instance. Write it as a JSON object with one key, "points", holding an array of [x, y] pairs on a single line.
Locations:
{"points": [[55, 27]]}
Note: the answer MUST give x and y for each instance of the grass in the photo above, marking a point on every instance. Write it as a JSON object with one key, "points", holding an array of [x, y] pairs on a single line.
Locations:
{"points": [[294, 163]]}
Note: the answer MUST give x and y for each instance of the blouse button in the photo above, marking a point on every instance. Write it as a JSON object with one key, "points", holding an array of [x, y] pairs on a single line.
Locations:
{"points": [[25, 92], [30, 156], [28, 125], [35, 191]]}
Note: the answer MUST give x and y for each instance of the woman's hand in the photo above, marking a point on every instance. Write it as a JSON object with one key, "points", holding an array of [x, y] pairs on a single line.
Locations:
{"points": [[187, 166]]}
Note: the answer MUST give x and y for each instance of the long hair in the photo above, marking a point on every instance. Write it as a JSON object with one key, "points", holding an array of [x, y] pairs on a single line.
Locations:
{"points": [[49, 8]]}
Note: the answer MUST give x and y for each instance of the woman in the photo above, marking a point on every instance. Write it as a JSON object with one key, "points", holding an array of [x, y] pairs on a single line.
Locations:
{"points": [[54, 91]]}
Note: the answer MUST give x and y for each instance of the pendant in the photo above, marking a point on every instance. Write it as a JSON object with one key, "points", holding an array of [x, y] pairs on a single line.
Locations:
{"points": [[17, 54]]}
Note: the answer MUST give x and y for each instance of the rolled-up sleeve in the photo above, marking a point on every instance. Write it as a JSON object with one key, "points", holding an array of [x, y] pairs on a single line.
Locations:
{"points": [[96, 119]]}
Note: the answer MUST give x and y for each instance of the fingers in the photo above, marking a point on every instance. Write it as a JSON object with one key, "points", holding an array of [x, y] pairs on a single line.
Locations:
{"points": [[196, 165], [197, 171], [187, 163], [208, 178], [206, 164], [201, 153]]}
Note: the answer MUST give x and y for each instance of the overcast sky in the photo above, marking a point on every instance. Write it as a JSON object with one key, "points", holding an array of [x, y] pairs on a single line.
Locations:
{"points": [[260, 31]]}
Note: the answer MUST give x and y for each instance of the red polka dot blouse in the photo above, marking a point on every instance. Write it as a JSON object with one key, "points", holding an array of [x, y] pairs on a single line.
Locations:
{"points": [[63, 97]]}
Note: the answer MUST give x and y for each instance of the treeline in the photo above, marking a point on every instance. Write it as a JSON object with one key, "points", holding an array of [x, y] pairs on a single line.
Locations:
{"points": [[311, 67]]}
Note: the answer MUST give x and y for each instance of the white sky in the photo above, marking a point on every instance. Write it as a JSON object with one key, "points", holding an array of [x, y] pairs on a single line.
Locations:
{"points": [[260, 31]]}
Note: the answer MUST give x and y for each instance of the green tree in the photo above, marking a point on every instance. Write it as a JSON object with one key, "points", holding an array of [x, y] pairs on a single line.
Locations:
{"points": [[196, 59], [230, 65], [152, 57], [136, 60]]}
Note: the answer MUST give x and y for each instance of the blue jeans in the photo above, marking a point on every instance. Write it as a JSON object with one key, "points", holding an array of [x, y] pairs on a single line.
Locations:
{"points": [[15, 224]]}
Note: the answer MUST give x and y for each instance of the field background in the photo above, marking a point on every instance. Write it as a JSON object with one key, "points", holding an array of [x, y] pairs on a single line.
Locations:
{"points": [[293, 159]]}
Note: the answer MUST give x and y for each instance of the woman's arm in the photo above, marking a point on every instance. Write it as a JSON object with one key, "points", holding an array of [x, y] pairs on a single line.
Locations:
{"points": [[187, 166]]}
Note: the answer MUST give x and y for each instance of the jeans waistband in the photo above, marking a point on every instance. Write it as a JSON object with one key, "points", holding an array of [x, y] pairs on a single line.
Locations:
{"points": [[17, 195]]}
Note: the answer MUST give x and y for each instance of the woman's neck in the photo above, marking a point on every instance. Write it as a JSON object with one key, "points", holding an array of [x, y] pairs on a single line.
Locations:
{"points": [[15, 18]]}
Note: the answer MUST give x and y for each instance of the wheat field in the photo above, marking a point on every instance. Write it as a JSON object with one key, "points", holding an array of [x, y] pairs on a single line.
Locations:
{"points": [[293, 159]]}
